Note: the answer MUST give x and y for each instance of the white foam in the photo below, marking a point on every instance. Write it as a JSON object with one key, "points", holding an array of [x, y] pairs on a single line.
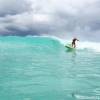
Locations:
{"points": [[89, 45]]}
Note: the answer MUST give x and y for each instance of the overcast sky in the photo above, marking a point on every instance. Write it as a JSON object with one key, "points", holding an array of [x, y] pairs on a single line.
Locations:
{"points": [[62, 18]]}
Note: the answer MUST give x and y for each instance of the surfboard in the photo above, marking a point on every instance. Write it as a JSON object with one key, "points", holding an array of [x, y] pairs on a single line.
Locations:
{"points": [[69, 46]]}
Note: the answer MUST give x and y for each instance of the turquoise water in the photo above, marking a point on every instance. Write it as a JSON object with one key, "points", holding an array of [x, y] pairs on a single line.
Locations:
{"points": [[41, 68]]}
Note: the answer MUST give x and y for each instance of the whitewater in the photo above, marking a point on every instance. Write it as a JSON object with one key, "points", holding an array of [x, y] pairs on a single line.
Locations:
{"points": [[41, 68]]}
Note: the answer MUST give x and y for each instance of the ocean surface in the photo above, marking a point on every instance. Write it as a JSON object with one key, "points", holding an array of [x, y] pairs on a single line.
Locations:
{"points": [[41, 68]]}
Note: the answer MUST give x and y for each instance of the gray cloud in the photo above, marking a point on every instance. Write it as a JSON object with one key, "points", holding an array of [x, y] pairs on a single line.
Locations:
{"points": [[54, 17], [13, 7]]}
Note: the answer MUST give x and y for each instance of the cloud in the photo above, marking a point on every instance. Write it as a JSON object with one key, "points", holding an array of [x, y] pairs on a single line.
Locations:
{"points": [[13, 7], [54, 17]]}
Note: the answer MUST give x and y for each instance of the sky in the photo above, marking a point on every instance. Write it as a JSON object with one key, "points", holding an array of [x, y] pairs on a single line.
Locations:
{"points": [[61, 18]]}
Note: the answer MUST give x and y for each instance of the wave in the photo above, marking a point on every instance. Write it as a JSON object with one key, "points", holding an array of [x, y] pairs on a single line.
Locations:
{"points": [[51, 41], [94, 46]]}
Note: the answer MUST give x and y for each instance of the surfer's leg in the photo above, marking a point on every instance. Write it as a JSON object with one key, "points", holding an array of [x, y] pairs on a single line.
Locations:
{"points": [[72, 44]]}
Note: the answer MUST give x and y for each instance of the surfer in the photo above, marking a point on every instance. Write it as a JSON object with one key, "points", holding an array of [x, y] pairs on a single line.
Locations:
{"points": [[74, 42]]}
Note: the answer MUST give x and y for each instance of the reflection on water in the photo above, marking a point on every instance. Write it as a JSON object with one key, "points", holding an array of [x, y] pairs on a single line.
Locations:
{"points": [[73, 54]]}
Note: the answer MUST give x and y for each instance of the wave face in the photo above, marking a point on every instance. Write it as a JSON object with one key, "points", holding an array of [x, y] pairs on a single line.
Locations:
{"points": [[38, 43], [41, 68]]}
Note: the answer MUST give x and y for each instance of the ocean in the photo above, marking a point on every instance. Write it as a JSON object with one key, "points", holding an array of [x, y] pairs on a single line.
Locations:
{"points": [[41, 68]]}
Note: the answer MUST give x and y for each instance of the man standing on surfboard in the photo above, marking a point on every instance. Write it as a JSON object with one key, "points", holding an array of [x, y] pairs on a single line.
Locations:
{"points": [[74, 42]]}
